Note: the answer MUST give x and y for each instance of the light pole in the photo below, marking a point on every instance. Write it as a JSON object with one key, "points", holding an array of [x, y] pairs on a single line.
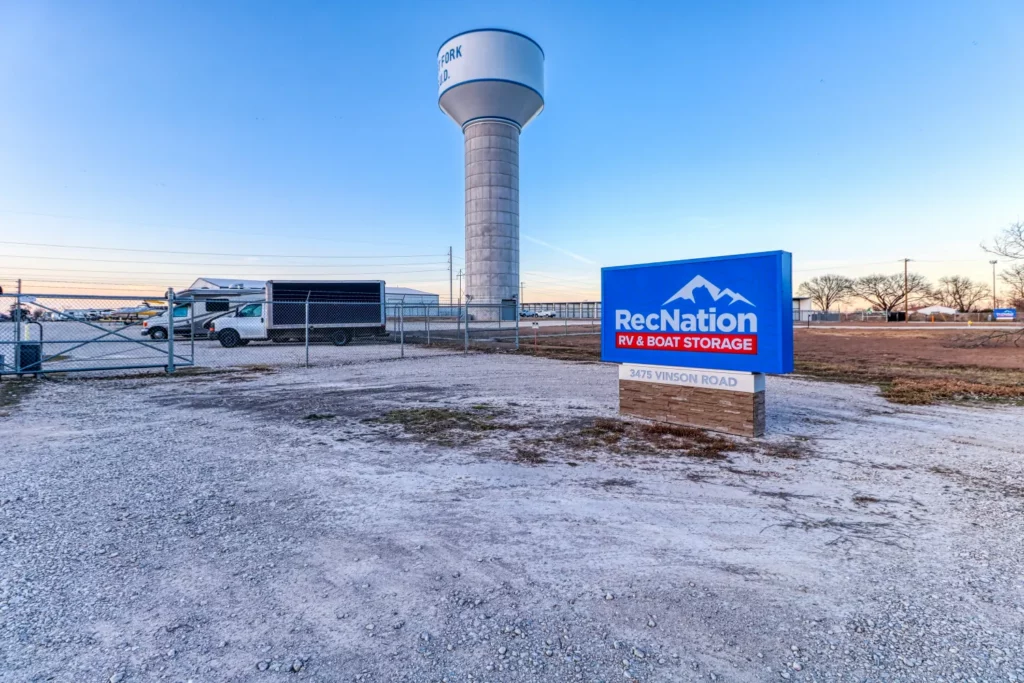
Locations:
{"points": [[993, 288], [906, 293]]}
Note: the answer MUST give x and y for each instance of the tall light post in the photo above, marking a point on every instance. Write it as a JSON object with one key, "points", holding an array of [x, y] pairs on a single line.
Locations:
{"points": [[993, 287]]}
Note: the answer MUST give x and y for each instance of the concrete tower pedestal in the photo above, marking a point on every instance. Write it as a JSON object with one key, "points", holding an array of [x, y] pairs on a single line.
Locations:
{"points": [[492, 213]]}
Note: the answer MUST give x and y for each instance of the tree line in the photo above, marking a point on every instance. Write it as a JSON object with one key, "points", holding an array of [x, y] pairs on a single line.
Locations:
{"points": [[892, 292]]}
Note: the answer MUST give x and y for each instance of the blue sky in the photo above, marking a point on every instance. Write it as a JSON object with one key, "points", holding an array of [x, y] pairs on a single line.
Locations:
{"points": [[852, 134]]}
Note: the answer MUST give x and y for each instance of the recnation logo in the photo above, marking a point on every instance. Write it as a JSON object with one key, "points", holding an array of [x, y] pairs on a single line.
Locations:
{"points": [[707, 330]]}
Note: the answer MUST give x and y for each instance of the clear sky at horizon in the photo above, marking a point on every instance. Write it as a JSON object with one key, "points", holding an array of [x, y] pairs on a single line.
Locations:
{"points": [[852, 134]]}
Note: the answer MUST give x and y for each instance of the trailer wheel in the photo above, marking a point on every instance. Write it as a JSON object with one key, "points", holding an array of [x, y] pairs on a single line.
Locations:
{"points": [[158, 334], [229, 339], [341, 338]]}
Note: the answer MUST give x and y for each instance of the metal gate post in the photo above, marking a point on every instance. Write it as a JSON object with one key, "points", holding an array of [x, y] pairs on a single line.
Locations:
{"points": [[401, 328], [170, 330], [465, 343], [17, 330], [306, 327], [192, 326], [427, 317]]}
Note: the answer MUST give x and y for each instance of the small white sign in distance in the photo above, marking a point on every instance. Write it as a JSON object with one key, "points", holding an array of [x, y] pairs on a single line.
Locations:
{"points": [[746, 382]]}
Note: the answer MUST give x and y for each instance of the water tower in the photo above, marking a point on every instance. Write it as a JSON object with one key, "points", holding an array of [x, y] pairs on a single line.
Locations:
{"points": [[491, 83]]}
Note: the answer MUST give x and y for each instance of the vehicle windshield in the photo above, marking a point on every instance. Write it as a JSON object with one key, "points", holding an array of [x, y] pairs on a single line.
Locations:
{"points": [[181, 311], [251, 311]]}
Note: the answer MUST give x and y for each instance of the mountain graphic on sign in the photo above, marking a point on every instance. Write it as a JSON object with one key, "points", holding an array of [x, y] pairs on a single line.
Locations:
{"points": [[697, 282]]}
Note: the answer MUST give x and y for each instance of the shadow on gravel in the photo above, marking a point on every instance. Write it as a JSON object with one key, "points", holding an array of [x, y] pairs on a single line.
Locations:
{"points": [[13, 391]]}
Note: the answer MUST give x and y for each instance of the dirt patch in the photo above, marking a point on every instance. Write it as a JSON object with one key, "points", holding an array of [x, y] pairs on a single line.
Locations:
{"points": [[653, 438], [912, 367], [447, 426]]}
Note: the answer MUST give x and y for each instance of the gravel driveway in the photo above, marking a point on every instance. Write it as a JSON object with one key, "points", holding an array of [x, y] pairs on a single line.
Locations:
{"points": [[269, 526]]}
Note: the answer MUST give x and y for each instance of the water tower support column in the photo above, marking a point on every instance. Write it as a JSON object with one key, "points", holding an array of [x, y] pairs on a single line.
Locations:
{"points": [[492, 212]]}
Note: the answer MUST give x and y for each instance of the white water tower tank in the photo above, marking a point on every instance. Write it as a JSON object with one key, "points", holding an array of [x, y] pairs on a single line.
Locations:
{"points": [[491, 83]]}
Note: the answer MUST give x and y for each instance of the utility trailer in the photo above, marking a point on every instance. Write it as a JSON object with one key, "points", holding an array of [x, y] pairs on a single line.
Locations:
{"points": [[337, 311]]}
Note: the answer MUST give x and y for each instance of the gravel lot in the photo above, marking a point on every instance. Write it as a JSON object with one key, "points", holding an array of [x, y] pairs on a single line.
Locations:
{"points": [[261, 526]]}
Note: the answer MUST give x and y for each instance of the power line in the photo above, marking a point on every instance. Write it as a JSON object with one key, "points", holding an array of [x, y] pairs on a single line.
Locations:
{"points": [[255, 267], [246, 233], [230, 265], [210, 253]]}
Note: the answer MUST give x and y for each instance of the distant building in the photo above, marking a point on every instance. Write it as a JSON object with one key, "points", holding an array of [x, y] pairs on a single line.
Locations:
{"points": [[803, 307], [405, 295]]}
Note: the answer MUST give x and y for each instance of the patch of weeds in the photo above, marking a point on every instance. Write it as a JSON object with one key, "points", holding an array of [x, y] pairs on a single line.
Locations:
{"points": [[924, 384], [614, 482], [659, 438], [792, 450], [528, 456], [913, 391], [446, 426], [319, 416], [864, 499]]}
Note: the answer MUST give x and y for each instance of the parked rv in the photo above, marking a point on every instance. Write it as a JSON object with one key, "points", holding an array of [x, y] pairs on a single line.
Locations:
{"points": [[336, 311], [193, 318]]}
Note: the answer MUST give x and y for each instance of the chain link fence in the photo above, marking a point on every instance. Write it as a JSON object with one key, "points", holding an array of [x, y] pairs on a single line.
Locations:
{"points": [[46, 333]]}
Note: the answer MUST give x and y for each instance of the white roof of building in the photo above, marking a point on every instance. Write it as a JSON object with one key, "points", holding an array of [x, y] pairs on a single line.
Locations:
{"points": [[227, 283], [928, 310], [233, 283]]}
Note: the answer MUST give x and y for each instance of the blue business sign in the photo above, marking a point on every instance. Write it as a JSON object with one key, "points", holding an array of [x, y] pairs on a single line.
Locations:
{"points": [[723, 313], [1005, 314]]}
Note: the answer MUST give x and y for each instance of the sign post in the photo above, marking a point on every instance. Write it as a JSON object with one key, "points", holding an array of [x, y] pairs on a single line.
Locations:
{"points": [[695, 338]]}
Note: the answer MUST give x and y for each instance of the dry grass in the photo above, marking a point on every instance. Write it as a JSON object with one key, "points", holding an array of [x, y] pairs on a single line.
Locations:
{"points": [[446, 426], [925, 384], [627, 437]]}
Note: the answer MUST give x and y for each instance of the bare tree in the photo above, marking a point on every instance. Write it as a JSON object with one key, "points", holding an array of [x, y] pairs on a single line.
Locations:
{"points": [[827, 290], [1009, 243], [886, 292], [961, 293], [1013, 278]]}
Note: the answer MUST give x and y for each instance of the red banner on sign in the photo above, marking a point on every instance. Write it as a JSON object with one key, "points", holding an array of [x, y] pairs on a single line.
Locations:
{"points": [[696, 343]]}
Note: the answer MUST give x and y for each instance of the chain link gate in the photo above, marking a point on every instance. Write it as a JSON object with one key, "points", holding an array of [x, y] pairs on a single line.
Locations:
{"points": [[60, 333]]}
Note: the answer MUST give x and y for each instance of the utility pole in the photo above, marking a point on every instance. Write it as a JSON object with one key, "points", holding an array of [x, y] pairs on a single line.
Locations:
{"points": [[906, 293], [460, 285], [522, 293], [450, 291], [993, 288]]}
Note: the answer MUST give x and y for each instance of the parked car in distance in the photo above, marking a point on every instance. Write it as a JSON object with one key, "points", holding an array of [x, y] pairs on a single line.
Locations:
{"points": [[527, 314], [547, 314]]}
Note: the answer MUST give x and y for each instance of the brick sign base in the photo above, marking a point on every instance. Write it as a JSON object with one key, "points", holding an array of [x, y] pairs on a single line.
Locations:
{"points": [[728, 402]]}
